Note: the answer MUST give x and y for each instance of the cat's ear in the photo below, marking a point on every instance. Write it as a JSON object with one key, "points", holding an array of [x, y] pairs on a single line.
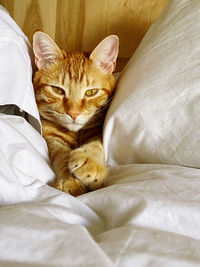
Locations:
{"points": [[105, 54], [45, 50]]}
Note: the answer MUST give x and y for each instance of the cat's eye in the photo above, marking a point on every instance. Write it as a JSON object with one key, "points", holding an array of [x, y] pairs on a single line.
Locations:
{"points": [[91, 92], [58, 90]]}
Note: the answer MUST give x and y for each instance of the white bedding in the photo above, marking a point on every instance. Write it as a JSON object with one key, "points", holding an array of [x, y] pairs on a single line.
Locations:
{"points": [[148, 215]]}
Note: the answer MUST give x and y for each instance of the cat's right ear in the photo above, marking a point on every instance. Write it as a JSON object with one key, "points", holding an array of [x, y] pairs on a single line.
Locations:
{"points": [[105, 54], [45, 50]]}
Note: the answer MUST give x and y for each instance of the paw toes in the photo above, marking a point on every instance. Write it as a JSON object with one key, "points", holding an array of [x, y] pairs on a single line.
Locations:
{"points": [[86, 169], [76, 162]]}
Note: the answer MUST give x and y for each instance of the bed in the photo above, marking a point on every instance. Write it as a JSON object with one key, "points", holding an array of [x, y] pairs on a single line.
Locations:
{"points": [[149, 212]]}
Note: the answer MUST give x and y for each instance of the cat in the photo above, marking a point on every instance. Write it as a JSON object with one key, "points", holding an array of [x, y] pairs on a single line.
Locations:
{"points": [[72, 92]]}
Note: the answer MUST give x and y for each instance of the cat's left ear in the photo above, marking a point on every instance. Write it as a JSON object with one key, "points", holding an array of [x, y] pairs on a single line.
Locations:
{"points": [[45, 50], [105, 54]]}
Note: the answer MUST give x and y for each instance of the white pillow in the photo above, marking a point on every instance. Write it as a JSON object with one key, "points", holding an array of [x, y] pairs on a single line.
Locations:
{"points": [[155, 114], [16, 88]]}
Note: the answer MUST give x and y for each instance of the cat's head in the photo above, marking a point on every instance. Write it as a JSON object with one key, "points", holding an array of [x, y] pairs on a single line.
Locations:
{"points": [[70, 87]]}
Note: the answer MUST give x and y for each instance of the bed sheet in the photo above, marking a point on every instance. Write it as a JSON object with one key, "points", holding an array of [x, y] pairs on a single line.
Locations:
{"points": [[148, 215]]}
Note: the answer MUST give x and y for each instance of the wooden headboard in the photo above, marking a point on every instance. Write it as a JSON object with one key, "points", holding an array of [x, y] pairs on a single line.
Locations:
{"points": [[81, 24]]}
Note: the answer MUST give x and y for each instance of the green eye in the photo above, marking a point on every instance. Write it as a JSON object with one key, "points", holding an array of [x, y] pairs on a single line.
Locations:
{"points": [[58, 90], [91, 92]]}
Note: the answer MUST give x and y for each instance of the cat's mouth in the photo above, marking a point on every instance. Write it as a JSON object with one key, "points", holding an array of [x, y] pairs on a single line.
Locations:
{"points": [[74, 126]]}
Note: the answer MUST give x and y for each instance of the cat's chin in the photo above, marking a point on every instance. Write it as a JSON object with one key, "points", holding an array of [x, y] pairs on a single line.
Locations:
{"points": [[74, 127]]}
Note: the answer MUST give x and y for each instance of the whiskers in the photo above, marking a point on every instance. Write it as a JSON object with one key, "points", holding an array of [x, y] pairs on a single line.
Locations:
{"points": [[50, 115], [99, 115], [105, 106]]}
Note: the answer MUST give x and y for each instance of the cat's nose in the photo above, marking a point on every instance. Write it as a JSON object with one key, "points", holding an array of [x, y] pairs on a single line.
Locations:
{"points": [[73, 115]]}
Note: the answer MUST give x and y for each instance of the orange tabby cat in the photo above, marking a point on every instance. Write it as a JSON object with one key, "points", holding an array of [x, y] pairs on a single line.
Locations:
{"points": [[72, 92]]}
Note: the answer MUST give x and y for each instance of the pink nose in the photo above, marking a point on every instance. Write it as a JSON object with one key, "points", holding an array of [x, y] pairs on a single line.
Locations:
{"points": [[73, 115]]}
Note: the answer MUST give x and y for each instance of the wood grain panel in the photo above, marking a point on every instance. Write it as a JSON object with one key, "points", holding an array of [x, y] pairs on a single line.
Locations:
{"points": [[89, 21], [81, 24], [9, 5], [70, 24]]}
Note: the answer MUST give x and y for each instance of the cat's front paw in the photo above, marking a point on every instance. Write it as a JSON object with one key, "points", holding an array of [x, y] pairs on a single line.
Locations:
{"points": [[69, 185], [87, 168]]}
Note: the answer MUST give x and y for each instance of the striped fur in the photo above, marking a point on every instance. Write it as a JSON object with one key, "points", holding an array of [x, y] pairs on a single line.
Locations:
{"points": [[72, 121]]}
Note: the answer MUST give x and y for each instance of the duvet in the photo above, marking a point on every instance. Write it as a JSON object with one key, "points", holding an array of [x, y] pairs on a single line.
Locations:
{"points": [[147, 215]]}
